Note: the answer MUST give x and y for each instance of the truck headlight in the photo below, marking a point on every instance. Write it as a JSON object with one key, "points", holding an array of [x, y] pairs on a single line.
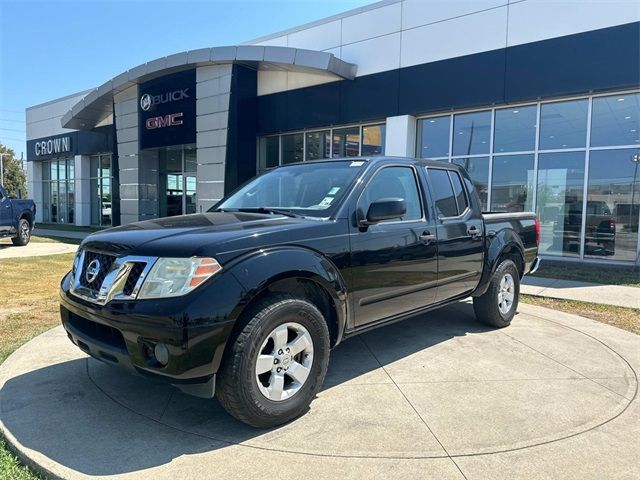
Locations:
{"points": [[172, 277]]}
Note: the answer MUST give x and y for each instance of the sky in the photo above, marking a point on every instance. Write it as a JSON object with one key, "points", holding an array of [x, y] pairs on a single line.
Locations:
{"points": [[52, 48]]}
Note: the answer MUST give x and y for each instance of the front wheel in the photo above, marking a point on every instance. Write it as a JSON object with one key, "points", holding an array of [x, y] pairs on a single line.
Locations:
{"points": [[24, 234], [498, 305], [276, 364]]}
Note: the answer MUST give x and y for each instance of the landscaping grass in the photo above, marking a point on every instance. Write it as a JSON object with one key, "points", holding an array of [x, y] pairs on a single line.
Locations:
{"points": [[11, 468], [28, 307], [625, 318], [605, 274]]}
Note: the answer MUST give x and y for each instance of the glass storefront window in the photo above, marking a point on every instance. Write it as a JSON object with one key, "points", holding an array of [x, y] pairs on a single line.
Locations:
{"points": [[613, 204], [269, 153], [346, 142], [512, 183], [292, 148], [563, 124], [478, 170], [515, 129], [471, 133], [178, 166], [615, 120], [560, 197], [373, 138], [318, 145], [100, 185], [58, 191], [433, 137]]}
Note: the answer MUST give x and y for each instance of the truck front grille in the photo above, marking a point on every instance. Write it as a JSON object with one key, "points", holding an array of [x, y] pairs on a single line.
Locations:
{"points": [[94, 269], [132, 279], [101, 277]]}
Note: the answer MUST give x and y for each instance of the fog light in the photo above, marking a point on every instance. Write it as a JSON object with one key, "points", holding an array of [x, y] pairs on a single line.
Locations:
{"points": [[161, 353]]}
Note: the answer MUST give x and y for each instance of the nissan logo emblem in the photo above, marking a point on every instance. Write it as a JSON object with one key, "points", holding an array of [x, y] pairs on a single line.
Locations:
{"points": [[145, 102], [93, 269]]}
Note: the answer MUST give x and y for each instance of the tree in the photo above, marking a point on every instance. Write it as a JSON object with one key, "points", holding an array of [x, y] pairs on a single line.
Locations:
{"points": [[14, 176]]}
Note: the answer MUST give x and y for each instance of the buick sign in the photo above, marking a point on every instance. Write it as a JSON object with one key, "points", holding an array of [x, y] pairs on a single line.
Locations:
{"points": [[147, 101]]}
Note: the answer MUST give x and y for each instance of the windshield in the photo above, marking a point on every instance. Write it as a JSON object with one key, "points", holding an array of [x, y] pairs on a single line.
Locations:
{"points": [[307, 189]]}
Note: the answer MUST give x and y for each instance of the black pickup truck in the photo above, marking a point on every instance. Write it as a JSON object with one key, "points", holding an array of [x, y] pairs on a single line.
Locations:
{"points": [[248, 299], [17, 218]]}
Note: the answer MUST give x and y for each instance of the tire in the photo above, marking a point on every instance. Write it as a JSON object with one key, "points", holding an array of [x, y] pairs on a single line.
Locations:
{"points": [[24, 234], [490, 308], [244, 393]]}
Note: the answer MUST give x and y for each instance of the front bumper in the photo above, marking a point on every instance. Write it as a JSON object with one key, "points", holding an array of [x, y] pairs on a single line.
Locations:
{"points": [[124, 333]]}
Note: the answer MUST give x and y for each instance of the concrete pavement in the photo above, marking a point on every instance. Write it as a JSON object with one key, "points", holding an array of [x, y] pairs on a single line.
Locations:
{"points": [[617, 295], [437, 396], [34, 249]]}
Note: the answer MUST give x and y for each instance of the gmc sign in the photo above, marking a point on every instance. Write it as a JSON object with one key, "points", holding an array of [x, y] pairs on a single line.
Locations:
{"points": [[166, 121]]}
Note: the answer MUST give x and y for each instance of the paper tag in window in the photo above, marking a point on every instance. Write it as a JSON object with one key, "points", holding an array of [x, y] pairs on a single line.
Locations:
{"points": [[356, 164], [333, 191], [326, 201]]}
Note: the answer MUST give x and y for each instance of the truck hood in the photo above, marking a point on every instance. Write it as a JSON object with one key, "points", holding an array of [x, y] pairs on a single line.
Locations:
{"points": [[220, 234]]}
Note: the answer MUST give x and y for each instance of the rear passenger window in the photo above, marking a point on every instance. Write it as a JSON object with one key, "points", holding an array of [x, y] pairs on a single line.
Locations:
{"points": [[458, 190], [442, 193]]}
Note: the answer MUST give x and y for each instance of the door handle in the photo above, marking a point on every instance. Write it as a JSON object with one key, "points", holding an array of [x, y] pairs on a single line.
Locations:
{"points": [[473, 231], [427, 237]]}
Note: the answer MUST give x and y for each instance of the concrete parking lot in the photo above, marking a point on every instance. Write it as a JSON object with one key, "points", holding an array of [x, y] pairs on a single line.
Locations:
{"points": [[437, 396]]}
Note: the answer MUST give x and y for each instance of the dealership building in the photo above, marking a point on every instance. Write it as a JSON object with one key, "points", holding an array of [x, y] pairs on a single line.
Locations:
{"points": [[539, 100]]}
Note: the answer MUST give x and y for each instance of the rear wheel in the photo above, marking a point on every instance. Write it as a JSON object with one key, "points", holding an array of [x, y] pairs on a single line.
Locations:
{"points": [[24, 233], [498, 305], [276, 364]]}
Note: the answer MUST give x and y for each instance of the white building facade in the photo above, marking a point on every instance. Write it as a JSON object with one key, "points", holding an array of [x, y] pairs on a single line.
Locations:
{"points": [[539, 100]]}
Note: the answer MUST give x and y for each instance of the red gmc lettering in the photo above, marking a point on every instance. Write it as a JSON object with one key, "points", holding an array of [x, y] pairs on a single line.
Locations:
{"points": [[170, 120]]}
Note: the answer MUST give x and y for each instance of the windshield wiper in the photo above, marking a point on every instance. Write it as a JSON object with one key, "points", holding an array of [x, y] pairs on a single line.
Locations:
{"points": [[277, 211]]}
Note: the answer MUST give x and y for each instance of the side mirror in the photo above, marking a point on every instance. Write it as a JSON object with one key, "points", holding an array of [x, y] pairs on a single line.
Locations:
{"points": [[385, 209]]}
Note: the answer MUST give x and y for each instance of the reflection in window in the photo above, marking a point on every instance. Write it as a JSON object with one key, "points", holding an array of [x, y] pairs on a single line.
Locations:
{"points": [[292, 146], [515, 129], [433, 137], [615, 120], [478, 170], [471, 133], [613, 204], [346, 142], [559, 198], [318, 145], [563, 124], [373, 138], [512, 183]]}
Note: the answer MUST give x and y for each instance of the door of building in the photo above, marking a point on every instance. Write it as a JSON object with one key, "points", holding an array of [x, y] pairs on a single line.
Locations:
{"points": [[177, 180]]}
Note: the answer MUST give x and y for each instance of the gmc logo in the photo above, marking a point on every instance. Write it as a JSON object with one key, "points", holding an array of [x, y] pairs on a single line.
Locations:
{"points": [[170, 120]]}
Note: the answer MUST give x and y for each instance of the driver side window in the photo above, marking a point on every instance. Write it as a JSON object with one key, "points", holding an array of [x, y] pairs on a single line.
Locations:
{"points": [[394, 182]]}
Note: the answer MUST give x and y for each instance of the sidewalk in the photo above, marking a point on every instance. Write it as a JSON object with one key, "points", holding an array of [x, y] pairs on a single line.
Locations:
{"points": [[45, 232], [616, 295]]}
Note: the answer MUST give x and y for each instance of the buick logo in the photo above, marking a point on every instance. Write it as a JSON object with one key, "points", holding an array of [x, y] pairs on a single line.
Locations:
{"points": [[145, 102], [93, 269]]}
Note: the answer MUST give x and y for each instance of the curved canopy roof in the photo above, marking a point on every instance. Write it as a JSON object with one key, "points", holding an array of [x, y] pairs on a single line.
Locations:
{"points": [[97, 105]]}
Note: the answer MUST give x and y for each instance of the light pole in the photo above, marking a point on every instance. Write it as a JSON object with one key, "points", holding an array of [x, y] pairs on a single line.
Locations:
{"points": [[2, 168]]}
